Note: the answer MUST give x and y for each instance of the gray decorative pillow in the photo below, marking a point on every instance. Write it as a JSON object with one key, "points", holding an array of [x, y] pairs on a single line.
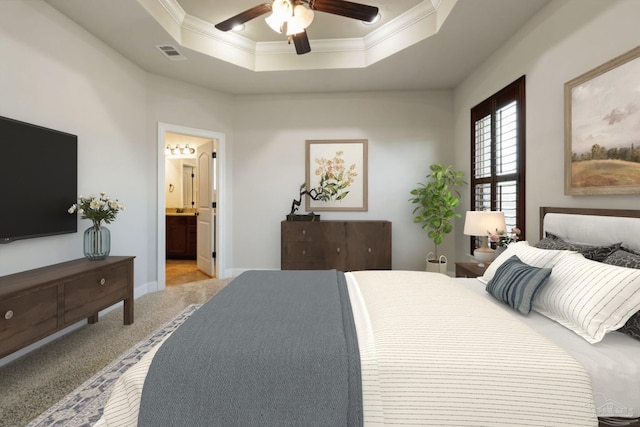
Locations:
{"points": [[623, 258], [516, 283], [594, 253], [627, 258], [632, 327]]}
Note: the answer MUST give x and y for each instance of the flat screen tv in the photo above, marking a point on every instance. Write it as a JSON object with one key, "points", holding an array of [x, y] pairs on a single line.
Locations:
{"points": [[38, 181]]}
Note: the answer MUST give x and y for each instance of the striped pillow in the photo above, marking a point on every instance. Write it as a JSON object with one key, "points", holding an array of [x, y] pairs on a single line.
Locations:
{"points": [[589, 297], [516, 283], [535, 257]]}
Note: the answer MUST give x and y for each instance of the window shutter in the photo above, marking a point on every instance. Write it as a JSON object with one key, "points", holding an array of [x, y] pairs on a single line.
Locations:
{"points": [[497, 155]]}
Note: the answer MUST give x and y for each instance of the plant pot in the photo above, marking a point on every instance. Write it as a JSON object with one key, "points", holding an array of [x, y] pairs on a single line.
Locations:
{"points": [[436, 265], [308, 217]]}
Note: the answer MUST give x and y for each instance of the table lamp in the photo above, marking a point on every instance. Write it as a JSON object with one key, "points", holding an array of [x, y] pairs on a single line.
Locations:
{"points": [[481, 223]]}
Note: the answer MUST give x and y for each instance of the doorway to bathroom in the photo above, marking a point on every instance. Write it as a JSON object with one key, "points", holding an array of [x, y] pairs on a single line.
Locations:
{"points": [[189, 198]]}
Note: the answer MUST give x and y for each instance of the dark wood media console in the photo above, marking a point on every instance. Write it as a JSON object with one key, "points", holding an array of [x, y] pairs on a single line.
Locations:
{"points": [[36, 303]]}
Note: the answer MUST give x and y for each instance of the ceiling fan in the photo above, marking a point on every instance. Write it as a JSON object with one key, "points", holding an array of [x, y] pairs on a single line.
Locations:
{"points": [[293, 17]]}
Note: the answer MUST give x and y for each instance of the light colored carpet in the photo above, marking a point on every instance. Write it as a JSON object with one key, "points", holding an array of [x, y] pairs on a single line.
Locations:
{"points": [[84, 406], [35, 382]]}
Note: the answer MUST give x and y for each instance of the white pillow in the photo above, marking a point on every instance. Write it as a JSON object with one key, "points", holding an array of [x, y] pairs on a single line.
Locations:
{"points": [[535, 257], [589, 297]]}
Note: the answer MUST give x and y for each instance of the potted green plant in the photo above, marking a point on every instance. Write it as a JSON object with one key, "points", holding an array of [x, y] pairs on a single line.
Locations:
{"points": [[437, 200]]}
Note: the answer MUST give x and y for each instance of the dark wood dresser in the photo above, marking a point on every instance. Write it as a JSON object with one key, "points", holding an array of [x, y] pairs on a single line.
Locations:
{"points": [[36, 303], [340, 245]]}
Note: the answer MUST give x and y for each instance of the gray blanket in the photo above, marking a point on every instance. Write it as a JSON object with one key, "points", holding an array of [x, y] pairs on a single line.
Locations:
{"points": [[273, 348]]}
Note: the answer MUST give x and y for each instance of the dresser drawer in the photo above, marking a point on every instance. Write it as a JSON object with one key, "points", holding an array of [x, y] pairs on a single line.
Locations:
{"points": [[308, 231], [309, 256], [87, 294], [27, 317]]}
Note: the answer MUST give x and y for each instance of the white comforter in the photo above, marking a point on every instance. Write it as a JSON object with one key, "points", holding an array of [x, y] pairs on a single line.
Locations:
{"points": [[435, 353]]}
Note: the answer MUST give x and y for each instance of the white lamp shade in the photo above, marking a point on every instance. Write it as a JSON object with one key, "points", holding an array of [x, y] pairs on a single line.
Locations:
{"points": [[294, 27], [275, 22], [301, 19], [281, 11], [303, 15], [481, 223]]}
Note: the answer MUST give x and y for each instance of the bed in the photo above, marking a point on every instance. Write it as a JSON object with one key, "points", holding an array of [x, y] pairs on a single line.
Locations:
{"points": [[428, 349]]}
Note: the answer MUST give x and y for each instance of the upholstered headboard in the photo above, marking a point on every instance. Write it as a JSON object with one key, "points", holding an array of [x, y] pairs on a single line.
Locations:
{"points": [[592, 226]]}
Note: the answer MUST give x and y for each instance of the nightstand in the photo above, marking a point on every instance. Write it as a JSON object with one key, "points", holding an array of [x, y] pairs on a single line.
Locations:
{"points": [[469, 269]]}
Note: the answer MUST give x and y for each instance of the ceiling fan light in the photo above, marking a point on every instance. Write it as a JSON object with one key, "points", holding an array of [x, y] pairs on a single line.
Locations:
{"points": [[294, 27], [283, 9], [303, 15], [275, 22]]}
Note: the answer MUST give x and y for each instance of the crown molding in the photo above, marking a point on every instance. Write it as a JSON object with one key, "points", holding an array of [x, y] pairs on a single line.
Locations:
{"points": [[416, 24]]}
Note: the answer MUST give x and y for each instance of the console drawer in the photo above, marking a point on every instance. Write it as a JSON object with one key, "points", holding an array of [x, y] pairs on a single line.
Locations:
{"points": [[27, 317], [89, 293]]}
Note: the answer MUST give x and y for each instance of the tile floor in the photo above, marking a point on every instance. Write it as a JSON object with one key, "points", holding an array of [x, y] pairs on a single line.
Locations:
{"points": [[179, 271]]}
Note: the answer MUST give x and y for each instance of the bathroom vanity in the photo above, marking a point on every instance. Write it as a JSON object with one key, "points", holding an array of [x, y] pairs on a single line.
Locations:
{"points": [[181, 235]]}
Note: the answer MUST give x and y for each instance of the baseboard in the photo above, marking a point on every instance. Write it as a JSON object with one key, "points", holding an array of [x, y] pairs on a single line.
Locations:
{"points": [[235, 272]]}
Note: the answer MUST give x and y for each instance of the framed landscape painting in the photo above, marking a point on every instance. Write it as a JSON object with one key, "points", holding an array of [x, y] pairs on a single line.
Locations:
{"points": [[336, 175], [602, 128]]}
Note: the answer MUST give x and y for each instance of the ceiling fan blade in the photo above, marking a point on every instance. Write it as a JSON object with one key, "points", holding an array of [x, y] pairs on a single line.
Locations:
{"points": [[361, 12], [243, 17], [301, 41]]}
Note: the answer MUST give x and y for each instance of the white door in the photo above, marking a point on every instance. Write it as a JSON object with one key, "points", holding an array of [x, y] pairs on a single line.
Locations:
{"points": [[205, 172]]}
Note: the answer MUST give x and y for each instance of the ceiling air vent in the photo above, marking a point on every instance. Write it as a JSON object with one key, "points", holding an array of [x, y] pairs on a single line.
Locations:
{"points": [[171, 52]]}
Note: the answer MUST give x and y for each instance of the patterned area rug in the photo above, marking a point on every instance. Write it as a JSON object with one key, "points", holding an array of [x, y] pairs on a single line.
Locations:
{"points": [[84, 406]]}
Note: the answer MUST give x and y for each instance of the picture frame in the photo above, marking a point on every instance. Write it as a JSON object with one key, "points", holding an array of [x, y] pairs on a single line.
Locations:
{"points": [[602, 144], [337, 170]]}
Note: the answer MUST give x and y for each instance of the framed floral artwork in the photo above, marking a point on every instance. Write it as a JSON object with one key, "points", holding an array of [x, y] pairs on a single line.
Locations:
{"points": [[336, 175], [602, 128]]}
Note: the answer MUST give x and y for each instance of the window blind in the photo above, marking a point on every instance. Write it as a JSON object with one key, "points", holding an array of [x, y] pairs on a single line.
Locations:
{"points": [[497, 155]]}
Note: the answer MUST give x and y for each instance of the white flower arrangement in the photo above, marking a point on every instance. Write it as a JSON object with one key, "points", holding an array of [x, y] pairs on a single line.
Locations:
{"points": [[97, 208]]}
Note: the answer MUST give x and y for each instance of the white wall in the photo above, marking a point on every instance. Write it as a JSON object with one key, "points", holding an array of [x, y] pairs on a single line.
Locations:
{"points": [[114, 107], [406, 132], [184, 105], [55, 75], [565, 40]]}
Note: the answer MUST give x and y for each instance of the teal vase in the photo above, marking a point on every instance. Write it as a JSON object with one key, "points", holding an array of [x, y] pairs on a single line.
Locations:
{"points": [[97, 242]]}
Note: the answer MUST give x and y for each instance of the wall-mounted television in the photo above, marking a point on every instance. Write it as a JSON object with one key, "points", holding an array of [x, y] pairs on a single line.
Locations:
{"points": [[38, 181]]}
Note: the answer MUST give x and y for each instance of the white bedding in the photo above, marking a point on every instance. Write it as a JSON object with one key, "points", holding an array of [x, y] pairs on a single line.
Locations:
{"points": [[435, 353], [613, 363]]}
